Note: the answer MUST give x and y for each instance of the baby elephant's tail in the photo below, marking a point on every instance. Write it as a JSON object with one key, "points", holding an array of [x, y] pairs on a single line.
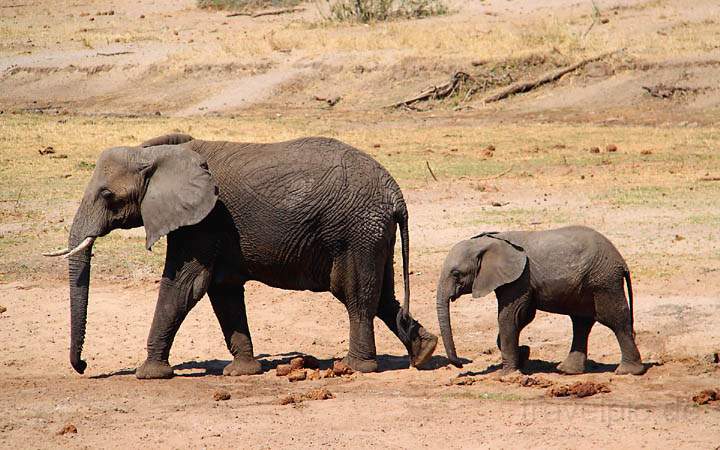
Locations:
{"points": [[626, 275]]}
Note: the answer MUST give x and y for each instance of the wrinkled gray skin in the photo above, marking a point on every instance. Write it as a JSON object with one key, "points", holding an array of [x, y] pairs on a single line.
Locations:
{"points": [[309, 214], [573, 270]]}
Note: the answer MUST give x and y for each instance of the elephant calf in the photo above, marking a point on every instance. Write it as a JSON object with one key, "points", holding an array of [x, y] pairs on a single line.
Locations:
{"points": [[572, 270]]}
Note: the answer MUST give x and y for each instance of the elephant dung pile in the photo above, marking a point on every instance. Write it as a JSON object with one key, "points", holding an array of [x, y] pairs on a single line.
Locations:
{"points": [[580, 389], [707, 396], [313, 394], [67, 429], [307, 367], [221, 395]]}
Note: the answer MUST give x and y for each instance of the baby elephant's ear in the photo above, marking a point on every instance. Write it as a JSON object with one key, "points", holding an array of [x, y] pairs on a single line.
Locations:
{"points": [[499, 263], [180, 190]]}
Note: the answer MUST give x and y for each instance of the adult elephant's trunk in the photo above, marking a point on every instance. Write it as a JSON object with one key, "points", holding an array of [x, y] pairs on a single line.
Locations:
{"points": [[79, 279], [443, 312]]}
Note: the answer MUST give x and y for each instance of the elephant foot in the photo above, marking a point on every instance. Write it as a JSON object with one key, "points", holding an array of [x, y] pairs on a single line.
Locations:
{"points": [[506, 371], [361, 365], [574, 364], [423, 347], [632, 368], [243, 366], [154, 370]]}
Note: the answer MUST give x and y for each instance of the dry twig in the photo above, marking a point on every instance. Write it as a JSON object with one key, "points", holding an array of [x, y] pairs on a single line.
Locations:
{"points": [[430, 170], [518, 88], [269, 12]]}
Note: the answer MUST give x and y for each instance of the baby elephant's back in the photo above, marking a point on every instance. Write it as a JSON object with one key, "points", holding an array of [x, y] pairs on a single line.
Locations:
{"points": [[569, 261]]}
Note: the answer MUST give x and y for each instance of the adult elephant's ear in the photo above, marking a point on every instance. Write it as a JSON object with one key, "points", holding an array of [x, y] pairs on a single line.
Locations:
{"points": [[180, 190], [499, 262]]}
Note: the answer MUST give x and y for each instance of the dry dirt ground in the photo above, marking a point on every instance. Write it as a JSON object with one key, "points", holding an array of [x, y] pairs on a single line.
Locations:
{"points": [[80, 81]]}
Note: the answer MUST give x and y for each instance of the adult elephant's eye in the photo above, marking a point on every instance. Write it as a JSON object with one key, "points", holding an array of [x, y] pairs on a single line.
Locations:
{"points": [[455, 273], [107, 194]]}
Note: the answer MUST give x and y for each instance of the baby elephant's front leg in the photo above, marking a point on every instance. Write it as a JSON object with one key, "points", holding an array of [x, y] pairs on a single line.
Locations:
{"points": [[514, 313]]}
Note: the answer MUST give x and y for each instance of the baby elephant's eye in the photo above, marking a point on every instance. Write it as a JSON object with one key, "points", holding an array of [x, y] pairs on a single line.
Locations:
{"points": [[455, 273]]}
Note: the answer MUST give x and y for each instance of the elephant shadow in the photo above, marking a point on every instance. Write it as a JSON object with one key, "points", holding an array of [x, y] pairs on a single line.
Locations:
{"points": [[270, 362], [534, 366]]}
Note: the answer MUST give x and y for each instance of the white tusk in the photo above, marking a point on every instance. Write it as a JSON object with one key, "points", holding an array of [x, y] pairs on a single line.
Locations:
{"points": [[57, 253], [83, 245]]}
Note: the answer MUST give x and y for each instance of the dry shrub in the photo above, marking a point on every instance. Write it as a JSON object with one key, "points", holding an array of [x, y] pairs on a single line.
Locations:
{"points": [[366, 11]]}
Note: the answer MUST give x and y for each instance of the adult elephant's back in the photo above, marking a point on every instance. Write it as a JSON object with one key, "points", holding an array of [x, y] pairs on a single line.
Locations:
{"points": [[302, 200]]}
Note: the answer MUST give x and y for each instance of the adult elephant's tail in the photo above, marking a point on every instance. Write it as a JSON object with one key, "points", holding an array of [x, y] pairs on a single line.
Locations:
{"points": [[626, 275], [405, 322]]}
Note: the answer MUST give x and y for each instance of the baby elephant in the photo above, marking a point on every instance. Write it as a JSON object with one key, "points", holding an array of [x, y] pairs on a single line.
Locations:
{"points": [[572, 270]]}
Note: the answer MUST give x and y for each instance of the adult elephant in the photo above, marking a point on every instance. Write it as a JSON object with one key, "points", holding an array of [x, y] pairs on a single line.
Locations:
{"points": [[308, 214]]}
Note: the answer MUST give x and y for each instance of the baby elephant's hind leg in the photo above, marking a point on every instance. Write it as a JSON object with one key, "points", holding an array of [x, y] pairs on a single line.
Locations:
{"points": [[576, 359], [613, 312]]}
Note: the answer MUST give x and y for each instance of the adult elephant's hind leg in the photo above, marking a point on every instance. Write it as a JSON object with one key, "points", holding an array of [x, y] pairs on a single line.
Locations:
{"points": [[576, 359], [229, 306], [613, 312], [420, 344], [356, 282]]}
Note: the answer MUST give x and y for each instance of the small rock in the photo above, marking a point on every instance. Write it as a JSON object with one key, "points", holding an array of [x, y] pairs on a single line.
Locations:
{"points": [[142, 16], [314, 375], [221, 395], [594, 149], [46, 151], [604, 20], [2, 309], [340, 368], [646, 152], [282, 370], [68, 429], [679, 238], [297, 375], [612, 148], [498, 204]]}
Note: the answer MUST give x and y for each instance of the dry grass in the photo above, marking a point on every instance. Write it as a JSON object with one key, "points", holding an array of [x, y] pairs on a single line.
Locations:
{"points": [[38, 194], [459, 35]]}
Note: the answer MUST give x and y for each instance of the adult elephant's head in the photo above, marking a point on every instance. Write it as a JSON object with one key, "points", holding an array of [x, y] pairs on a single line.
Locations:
{"points": [[479, 265], [162, 188]]}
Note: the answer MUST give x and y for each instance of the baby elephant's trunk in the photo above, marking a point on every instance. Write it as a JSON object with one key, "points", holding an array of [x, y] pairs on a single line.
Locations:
{"points": [[443, 311]]}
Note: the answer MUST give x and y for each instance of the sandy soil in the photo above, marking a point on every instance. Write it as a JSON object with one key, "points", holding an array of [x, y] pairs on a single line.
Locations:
{"points": [[180, 61], [399, 407]]}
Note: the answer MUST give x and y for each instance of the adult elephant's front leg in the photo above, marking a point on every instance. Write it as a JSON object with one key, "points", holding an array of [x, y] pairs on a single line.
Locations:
{"points": [[185, 280], [229, 306]]}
